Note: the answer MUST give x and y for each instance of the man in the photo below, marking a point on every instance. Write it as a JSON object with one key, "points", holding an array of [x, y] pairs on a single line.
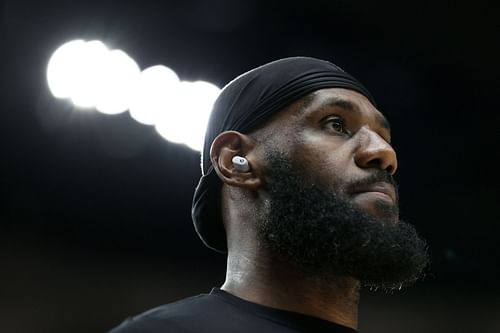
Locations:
{"points": [[297, 188]]}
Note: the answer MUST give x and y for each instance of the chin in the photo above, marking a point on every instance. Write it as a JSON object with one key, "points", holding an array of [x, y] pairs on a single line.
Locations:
{"points": [[381, 210]]}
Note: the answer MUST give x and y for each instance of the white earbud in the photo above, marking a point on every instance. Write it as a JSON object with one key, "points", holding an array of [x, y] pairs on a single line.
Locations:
{"points": [[241, 164]]}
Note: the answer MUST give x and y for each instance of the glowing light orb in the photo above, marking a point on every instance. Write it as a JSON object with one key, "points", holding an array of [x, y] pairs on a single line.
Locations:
{"points": [[186, 117], [155, 88], [90, 66], [91, 75], [62, 67], [117, 85]]}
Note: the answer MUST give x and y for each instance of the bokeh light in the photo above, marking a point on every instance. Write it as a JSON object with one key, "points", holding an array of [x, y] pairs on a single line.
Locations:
{"points": [[62, 67], [156, 87], [92, 76], [87, 81], [190, 107], [118, 81]]}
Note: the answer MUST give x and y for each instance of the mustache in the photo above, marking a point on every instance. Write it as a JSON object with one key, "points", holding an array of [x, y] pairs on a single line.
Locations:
{"points": [[379, 176]]}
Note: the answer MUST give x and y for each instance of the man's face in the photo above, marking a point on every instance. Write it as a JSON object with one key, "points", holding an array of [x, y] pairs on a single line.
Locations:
{"points": [[333, 205], [341, 138]]}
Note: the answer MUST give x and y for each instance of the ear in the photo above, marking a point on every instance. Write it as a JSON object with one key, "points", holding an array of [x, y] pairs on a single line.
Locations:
{"points": [[227, 145]]}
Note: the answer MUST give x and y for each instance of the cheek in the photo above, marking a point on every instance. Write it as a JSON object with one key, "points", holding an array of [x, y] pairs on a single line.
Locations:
{"points": [[325, 163], [333, 172]]}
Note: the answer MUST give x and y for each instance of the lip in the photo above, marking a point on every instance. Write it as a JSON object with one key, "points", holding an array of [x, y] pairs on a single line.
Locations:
{"points": [[383, 189]]}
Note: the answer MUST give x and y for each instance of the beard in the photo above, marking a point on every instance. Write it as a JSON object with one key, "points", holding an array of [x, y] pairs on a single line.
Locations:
{"points": [[322, 233]]}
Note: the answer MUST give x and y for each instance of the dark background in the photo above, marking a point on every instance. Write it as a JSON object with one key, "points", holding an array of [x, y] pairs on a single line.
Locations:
{"points": [[95, 210]]}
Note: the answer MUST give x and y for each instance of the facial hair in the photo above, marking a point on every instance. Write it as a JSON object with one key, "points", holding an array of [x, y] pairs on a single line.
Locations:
{"points": [[323, 233]]}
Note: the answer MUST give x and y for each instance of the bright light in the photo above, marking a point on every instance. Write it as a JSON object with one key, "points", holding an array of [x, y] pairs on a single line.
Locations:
{"points": [[91, 75], [187, 115], [119, 76], [62, 67], [156, 88], [90, 66]]}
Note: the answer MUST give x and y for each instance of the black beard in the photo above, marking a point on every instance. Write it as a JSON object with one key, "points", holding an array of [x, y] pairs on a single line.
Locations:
{"points": [[322, 233]]}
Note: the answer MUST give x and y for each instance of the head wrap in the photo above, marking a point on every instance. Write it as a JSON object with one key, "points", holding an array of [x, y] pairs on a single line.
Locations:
{"points": [[243, 104]]}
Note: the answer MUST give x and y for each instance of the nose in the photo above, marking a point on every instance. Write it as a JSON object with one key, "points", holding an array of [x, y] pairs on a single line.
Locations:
{"points": [[375, 152]]}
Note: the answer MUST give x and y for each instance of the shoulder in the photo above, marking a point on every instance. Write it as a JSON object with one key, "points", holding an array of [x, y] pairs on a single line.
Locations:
{"points": [[197, 313]]}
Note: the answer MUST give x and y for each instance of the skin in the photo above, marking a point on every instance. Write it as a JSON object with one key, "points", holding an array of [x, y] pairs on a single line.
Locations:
{"points": [[337, 135]]}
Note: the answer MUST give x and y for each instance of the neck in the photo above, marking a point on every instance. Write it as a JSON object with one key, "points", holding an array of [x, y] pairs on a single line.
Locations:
{"points": [[276, 284]]}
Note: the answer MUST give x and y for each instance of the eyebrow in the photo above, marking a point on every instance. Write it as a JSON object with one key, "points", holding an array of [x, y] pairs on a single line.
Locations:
{"points": [[352, 107]]}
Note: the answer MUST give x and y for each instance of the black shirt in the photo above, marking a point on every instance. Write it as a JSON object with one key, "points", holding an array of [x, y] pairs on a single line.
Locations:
{"points": [[222, 312]]}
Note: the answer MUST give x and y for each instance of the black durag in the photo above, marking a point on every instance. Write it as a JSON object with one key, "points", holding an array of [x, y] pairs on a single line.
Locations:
{"points": [[247, 102]]}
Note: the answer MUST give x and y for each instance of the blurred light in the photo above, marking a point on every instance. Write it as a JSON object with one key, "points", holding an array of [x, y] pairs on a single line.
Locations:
{"points": [[91, 75], [119, 77], [187, 114], [156, 88], [87, 82], [62, 66]]}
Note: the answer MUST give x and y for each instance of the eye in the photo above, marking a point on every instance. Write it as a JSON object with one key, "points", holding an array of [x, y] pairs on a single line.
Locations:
{"points": [[336, 124]]}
